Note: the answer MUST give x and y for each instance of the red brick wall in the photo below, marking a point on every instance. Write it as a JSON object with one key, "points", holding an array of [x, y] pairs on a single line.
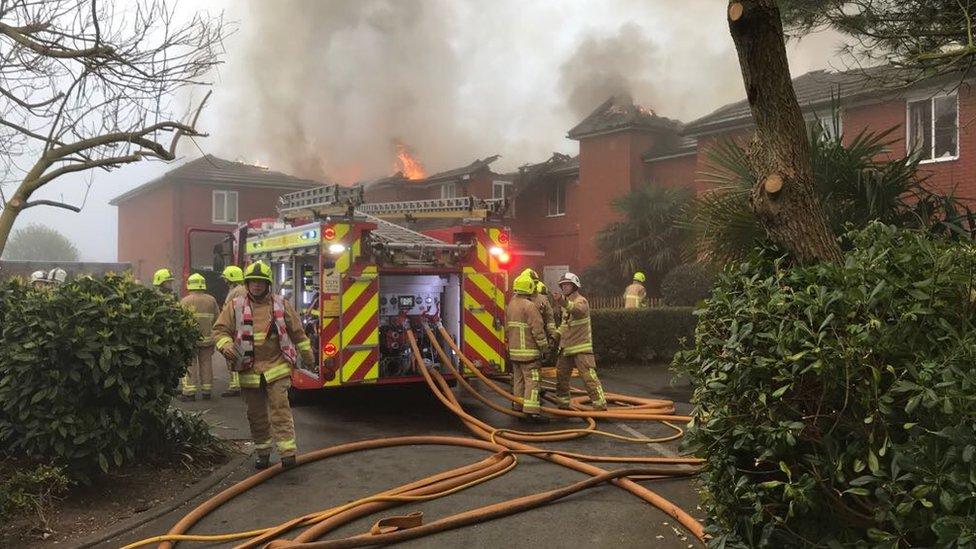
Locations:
{"points": [[147, 233], [557, 237], [673, 172]]}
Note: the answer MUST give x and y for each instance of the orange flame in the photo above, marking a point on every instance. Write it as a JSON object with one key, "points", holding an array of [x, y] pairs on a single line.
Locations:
{"points": [[407, 164]]}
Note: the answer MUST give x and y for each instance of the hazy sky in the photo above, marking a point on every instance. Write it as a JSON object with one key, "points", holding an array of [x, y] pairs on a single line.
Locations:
{"points": [[322, 89]]}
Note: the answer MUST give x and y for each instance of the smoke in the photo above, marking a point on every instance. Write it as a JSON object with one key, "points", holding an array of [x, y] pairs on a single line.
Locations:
{"points": [[326, 89]]}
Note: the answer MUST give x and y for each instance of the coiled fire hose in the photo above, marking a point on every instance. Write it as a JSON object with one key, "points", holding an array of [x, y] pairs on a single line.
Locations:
{"points": [[504, 444]]}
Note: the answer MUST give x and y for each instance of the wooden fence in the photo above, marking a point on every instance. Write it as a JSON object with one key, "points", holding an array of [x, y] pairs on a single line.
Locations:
{"points": [[617, 302]]}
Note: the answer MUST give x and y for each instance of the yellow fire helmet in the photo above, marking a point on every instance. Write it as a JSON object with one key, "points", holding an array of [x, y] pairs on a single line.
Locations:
{"points": [[639, 277], [233, 273], [530, 273], [162, 275], [258, 271], [540, 288], [523, 285], [196, 282]]}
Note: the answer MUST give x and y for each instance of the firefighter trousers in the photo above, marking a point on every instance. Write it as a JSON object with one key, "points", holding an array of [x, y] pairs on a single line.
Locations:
{"points": [[585, 364], [269, 414], [199, 375], [525, 385]]}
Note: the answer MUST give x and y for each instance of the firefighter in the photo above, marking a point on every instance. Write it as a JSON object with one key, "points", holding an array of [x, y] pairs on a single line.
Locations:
{"points": [[541, 299], [526, 336], [38, 280], [205, 309], [234, 276], [576, 345], [261, 334], [635, 296], [163, 281], [57, 276]]}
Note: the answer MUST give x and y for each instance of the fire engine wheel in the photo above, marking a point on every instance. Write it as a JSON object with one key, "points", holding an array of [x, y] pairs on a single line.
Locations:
{"points": [[506, 446]]}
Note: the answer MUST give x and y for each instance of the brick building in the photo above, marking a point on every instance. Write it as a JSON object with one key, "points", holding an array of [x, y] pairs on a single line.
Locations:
{"points": [[565, 201], [198, 203]]}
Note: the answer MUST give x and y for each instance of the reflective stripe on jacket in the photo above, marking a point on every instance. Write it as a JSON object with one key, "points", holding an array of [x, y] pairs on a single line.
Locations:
{"points": [[270, 358], [576, 337], [635, 296], [524, 330], [205, 310]]}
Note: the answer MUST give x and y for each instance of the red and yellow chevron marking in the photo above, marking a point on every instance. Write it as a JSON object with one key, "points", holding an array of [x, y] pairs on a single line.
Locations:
{"points": [[485, 239], [484, 318], [360, 327]]}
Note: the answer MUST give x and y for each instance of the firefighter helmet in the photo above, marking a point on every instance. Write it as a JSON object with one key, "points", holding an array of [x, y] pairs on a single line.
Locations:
{"points": [[162, 275], [196, 282], [540, 288], [57, 275], [523, 285], [233, 273], [639, 277], [572, 279], [38, 276], [258, 271], [530, 273]]}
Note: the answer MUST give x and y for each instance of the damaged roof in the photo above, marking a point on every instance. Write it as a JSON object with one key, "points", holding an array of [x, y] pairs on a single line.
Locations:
{"points": [[618, 113], [437, 178], [210, 170], [679, 145], [557, 165]]}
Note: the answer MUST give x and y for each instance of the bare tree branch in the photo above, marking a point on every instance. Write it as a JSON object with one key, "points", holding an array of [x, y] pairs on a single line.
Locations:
{"points": [[53, 203]]}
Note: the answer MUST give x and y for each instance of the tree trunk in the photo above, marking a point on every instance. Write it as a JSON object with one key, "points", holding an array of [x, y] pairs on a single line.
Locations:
{"points": [[8, 215], [779, 155]]}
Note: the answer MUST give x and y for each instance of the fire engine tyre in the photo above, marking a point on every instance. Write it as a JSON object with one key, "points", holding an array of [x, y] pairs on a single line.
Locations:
{"points": [[505, 446]]}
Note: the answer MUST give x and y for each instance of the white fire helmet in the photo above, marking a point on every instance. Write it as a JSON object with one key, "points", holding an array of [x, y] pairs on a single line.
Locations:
{"points": [[38, 276], [57, 276], [572, 279]]}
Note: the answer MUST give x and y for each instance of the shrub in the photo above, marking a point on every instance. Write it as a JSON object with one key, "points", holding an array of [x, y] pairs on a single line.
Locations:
{"points": [[687, 285], [835, 402], [640, 334], [30, 491], [87, 370]]}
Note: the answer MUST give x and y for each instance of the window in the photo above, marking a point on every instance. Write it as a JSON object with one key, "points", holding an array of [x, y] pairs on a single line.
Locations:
{"points": [[502, 190], [449, 190], [933, 128], [830, 125], [557, 199], [225, 206]]}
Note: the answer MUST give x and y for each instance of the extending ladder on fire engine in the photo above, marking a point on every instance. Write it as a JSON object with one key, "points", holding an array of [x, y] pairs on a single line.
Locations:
{"points": [[339, 200], [319, 202]]}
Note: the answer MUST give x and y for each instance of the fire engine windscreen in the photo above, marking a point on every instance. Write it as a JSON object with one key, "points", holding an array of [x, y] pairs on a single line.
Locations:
{"points": [[405, 302]]}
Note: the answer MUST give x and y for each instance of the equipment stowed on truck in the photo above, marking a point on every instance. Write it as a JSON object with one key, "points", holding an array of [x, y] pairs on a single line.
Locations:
{"points": [[361, 282]]}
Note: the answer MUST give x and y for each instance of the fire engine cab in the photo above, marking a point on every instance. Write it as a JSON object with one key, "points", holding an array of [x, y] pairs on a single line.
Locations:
{"points": [[360, 281]]}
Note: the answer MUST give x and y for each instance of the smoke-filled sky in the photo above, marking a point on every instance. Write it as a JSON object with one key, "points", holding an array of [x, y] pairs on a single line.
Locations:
{"points": [[324, 89]]}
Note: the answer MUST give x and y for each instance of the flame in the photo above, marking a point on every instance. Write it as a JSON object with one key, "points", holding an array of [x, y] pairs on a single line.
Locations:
{"points": [[407, 164]]}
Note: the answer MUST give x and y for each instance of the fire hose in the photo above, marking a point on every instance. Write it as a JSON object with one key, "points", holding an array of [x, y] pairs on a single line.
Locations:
{"points": [[504, 444]]}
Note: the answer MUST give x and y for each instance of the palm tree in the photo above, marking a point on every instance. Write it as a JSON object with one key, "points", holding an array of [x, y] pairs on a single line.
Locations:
{"points": [[855, 184]]}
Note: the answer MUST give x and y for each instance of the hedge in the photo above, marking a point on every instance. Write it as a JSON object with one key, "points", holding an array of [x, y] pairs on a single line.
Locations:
{"points": [[640, 335], [87, 373], [834, 402], [688, 285]]}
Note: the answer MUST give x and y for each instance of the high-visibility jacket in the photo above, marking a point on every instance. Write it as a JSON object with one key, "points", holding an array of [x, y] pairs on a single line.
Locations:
{"points": [[548, 316], [271, 355], [575, 335], [635, 296], [524, 330], [237, 290], [205, 310]]}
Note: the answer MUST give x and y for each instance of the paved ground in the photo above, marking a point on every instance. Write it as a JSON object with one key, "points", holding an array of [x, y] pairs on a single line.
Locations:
{"points": [[600, 517]]}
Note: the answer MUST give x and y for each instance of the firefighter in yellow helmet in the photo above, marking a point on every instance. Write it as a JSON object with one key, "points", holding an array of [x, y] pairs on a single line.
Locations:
{"points": [[234, 276], [205, 309], [163, 281], [635, 296], [262, 335], [527, 343], [576, 345], [540, 296]]}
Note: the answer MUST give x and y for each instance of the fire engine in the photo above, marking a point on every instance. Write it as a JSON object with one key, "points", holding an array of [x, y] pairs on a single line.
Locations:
{"points": [[361, 281]]}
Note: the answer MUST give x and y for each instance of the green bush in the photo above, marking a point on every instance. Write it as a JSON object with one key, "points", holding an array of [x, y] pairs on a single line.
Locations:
{"points": [[835, 403], [687, 285], [30, 491], [87, 371], [640, 334]]}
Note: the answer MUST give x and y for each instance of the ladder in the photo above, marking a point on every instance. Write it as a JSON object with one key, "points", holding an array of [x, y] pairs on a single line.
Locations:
{"points": [[394, 236], [332, 199], [469, 206]]}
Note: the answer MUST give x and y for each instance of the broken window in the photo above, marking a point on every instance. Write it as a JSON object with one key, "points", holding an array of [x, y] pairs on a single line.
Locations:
{"points": [[557, 198], [933, 127]]}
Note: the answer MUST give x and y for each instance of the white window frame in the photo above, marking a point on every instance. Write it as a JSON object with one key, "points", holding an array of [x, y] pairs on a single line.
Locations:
{"points": [[222, 196], [908, 129], [452, 193], [506, 188], [826, 122], [557, 185]]}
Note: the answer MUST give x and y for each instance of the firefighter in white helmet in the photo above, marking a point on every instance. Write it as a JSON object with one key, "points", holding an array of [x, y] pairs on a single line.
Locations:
{"points": [[635, 296], [57, 276], [38, 280], [576, 345], [205, 310], [527, 343], [262, 335]]}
